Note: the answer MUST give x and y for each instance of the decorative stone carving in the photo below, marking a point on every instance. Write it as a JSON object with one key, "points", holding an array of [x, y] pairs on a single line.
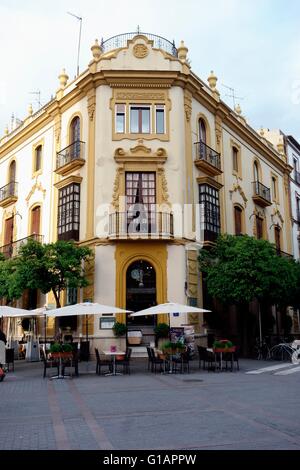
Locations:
{"points": [[140, 148], [164, 187], [127, 95], [63, 78], [237, 187], [116, 189], [91, 105], [188, 105], [36, 187], [140, 51]]}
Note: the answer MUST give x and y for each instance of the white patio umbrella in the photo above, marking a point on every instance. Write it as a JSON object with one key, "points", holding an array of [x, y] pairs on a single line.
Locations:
{"points": [[169, 307], [12, 312], [84, 308]]}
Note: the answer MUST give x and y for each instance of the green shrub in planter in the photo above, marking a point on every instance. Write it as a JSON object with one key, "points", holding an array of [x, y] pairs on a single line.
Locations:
{"points": [[162, 330], [56, 348], [119, 329]]}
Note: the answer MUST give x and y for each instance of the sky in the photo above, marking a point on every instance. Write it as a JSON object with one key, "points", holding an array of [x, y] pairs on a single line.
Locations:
{"points": [[252, 46]]}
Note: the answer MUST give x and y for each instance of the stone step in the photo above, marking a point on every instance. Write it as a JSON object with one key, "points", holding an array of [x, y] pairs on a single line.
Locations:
{"points": [[139, 351]]}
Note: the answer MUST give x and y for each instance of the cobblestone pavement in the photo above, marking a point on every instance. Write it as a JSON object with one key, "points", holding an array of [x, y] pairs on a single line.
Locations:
{"points": [[200, 410]]}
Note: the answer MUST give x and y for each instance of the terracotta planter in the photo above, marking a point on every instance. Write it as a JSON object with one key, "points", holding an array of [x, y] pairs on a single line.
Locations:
{"points": [[225, 350]]}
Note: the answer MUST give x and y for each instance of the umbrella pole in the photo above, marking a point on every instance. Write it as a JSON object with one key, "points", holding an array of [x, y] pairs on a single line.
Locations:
{"points": [[45, 332], [87, 343]]}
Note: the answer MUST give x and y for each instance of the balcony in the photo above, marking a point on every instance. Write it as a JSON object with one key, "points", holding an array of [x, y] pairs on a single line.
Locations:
{"points": [[121, 41], [155, 225], [70, 158], [297, 177], [207, 159], [261, 194], [8, 194], [12, 249]]}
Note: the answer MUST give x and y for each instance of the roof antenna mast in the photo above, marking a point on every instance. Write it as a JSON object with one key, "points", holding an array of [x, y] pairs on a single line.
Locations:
{"points": [[79, 39]]}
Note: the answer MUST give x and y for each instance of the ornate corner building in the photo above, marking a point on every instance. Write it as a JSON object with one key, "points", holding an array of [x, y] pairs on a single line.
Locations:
{"points": [[141, 160]]}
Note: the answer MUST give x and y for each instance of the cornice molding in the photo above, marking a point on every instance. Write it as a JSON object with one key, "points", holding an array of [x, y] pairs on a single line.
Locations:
{"points": [[69, 180]]}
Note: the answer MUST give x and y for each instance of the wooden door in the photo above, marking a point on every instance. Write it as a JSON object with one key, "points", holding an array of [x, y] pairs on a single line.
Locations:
{"points": [[35, 220], [9, 230]]}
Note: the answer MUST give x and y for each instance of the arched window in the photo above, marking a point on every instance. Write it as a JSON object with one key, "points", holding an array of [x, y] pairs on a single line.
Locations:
{"points": [[238, 214], [202, 130], [38, 158], [277, 238], [12, 172], [235, 161], [255, 172], [75, 138], [75, 130], [35, 220]]}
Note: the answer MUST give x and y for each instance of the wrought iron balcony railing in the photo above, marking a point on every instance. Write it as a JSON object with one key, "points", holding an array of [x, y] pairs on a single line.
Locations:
{"points": [[73, 152], [8, 191], [120, 40], [12, 249], [149, 225], [209, 155], [262, 191]]}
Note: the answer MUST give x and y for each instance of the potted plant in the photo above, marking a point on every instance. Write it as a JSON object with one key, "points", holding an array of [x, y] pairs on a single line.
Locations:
{"points": [[61, 350], [223, 345], [161, 331], [119, 329]]}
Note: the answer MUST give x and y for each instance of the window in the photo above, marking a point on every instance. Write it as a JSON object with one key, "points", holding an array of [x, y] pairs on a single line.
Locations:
{"points": [[35, 220], [71, 295], [202, 131], [120, 118], [210, 207], [140, 201], [277, 238], [140, 119], [255, 171], [107, 323], [38, 158], [12, 172], [160, 119], [298, 208], [274, 188], [259, 227], [69, 212], [238, 220], [295, 164], [235, 161], [75, 130]]}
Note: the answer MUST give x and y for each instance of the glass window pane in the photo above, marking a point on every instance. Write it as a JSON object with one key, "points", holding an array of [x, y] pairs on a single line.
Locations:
{"points": [[134, 120], [145, 120], [120, 123], [160, 121]]}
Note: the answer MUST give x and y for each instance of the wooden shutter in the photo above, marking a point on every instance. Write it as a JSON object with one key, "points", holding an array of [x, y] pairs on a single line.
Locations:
{"points": [[35, 220], [9, 229], [238, 220]]}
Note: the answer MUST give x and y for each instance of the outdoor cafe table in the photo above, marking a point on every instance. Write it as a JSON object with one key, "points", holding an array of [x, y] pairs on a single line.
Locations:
{"points": [[221, 351], [61, 356], [113, 354]]}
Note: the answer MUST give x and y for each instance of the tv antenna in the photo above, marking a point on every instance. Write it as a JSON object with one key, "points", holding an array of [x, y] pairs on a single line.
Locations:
{"points": [[232, 95], [37, 93], [79, 39]]}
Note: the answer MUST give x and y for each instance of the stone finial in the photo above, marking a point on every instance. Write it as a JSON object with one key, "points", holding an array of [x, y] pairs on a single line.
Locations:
{"points": [[96, 50], [212, 81], [182, 51], [6, 131], [63, 78], [30, 110], [238, 110], [280, 145], [262, 131]]}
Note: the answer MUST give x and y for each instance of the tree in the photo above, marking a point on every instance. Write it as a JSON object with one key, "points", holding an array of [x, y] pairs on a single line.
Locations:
{"points": [[240, 269], [51, 267], [9, 289]]}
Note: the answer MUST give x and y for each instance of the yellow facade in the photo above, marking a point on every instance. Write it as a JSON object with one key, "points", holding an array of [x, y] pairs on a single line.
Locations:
{"points": [[142, 79]]}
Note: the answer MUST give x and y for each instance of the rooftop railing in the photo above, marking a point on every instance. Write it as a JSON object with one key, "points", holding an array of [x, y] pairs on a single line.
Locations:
{"points": [[120, 40]]}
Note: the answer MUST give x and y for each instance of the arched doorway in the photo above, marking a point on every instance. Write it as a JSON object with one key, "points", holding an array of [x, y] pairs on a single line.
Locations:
{"points": [[140, 291]]}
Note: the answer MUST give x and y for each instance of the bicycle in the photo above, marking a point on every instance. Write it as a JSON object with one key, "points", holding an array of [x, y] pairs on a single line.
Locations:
{"points": [[286, 351], [261, 350]]}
